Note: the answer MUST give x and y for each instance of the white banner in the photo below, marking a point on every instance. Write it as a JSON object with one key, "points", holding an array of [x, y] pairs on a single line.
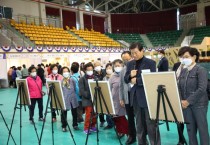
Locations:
{"points": [[1, 56]]}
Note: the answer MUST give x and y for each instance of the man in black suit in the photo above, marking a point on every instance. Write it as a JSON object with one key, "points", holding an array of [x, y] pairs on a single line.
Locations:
{"points": [[135, 67], [163, 63]]}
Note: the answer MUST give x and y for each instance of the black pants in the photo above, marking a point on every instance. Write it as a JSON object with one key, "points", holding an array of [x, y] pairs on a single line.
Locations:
{"points": [[131, 121], [79, 111], [33, 104], [101, 117], [181, 133], [64, 117]]}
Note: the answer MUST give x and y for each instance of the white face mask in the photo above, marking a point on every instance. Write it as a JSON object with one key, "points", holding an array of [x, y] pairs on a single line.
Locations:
{"points": [[66, 75], [55, 72], [187, 61], [159, 56], [89, 73], [118, 69], [109, 71], [98, 68], [33, 74], [181, 60]]}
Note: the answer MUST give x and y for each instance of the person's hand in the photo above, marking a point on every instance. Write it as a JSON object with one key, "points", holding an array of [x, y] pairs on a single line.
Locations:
{"points": [[122, 103], [185, 104], [133, 81], [133, 73]]}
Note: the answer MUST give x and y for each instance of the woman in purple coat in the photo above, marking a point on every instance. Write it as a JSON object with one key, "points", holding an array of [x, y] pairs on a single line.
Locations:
{"points": [[120, 120], [69, 93]]}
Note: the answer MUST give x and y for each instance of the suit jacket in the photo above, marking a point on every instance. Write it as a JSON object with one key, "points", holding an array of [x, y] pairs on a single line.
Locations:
{"points": [[163, 65], [137, 94]]}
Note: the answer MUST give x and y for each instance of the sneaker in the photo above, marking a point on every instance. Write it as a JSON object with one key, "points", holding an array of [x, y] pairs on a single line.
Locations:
{"points": [[54, 120], [41, 119], [93, 129], [64, 129], [102, 124], [86, 132], [76, 128]]}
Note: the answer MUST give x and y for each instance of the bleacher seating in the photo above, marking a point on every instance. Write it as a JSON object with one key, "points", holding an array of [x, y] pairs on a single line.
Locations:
{"points": [[166, 38], [96, 38], [47, 35], [199, 33], [129, 38]]}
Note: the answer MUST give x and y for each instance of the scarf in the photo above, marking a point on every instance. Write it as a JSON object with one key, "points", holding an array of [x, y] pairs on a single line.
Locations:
{"points": [[66, 83]]}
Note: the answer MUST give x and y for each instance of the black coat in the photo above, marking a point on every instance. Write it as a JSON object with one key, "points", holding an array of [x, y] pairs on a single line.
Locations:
{"points": [[163, 65]]}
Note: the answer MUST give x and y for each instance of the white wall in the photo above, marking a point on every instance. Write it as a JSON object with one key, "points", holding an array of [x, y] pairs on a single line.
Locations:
{"points": [[22, 7]]}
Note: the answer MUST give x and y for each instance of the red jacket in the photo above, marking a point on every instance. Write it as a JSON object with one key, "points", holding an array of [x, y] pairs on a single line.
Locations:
{"points": [[35, 87]]}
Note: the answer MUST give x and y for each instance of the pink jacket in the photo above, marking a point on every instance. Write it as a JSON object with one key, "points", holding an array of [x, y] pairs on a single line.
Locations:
{"points": [[35, 87], [55, 77]]}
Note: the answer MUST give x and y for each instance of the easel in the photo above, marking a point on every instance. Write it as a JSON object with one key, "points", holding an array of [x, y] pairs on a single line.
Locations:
{"points": [[98, 95], [23, 102], [6, 124], [163, 95], [54, 96]]}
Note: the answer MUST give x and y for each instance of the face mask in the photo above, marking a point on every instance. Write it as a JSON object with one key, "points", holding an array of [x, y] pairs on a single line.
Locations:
{"points": [[98, 68], [109, 71], [187, 61], [89, 73], [118, 69], [33, 74], [55, 72], [66, 74], [159, 56]]}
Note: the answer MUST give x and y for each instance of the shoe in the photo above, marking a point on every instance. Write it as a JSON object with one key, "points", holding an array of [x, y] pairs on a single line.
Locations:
{"points": [[120, 135], [180, 143], [130, 140], [93, 129], [54, 120], [41, 119], [87, 132], [31, 121], [64, 129], [102, 124], [76, 128], [108, 127]]}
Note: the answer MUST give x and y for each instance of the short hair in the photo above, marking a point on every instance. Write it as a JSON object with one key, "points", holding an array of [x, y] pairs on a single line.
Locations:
{"points": [[162, 52], [126, 52], [74, 68], [31, 68], [97, 62], [136, 45], [75, 63], [47, 65], [108, 64], [117, 61], [24, 66], [65, 67], [192, 52], [52, 66], [89, 64]]}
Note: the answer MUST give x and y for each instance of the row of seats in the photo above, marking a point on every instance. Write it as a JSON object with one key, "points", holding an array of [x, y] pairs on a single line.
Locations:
{"points": [[166, 38], [96, 38], [129, 38], [45, 35], [199, 34]]}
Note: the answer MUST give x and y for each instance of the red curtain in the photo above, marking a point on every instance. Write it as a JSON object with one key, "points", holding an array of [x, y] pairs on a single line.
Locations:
{"points": [[207, 12], [52, 11], [188, 9], [98, 23], [69, 19], [144, 23]]}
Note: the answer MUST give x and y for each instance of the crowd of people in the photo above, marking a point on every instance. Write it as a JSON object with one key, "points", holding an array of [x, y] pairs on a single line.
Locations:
{"points": [[128, 95]]}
